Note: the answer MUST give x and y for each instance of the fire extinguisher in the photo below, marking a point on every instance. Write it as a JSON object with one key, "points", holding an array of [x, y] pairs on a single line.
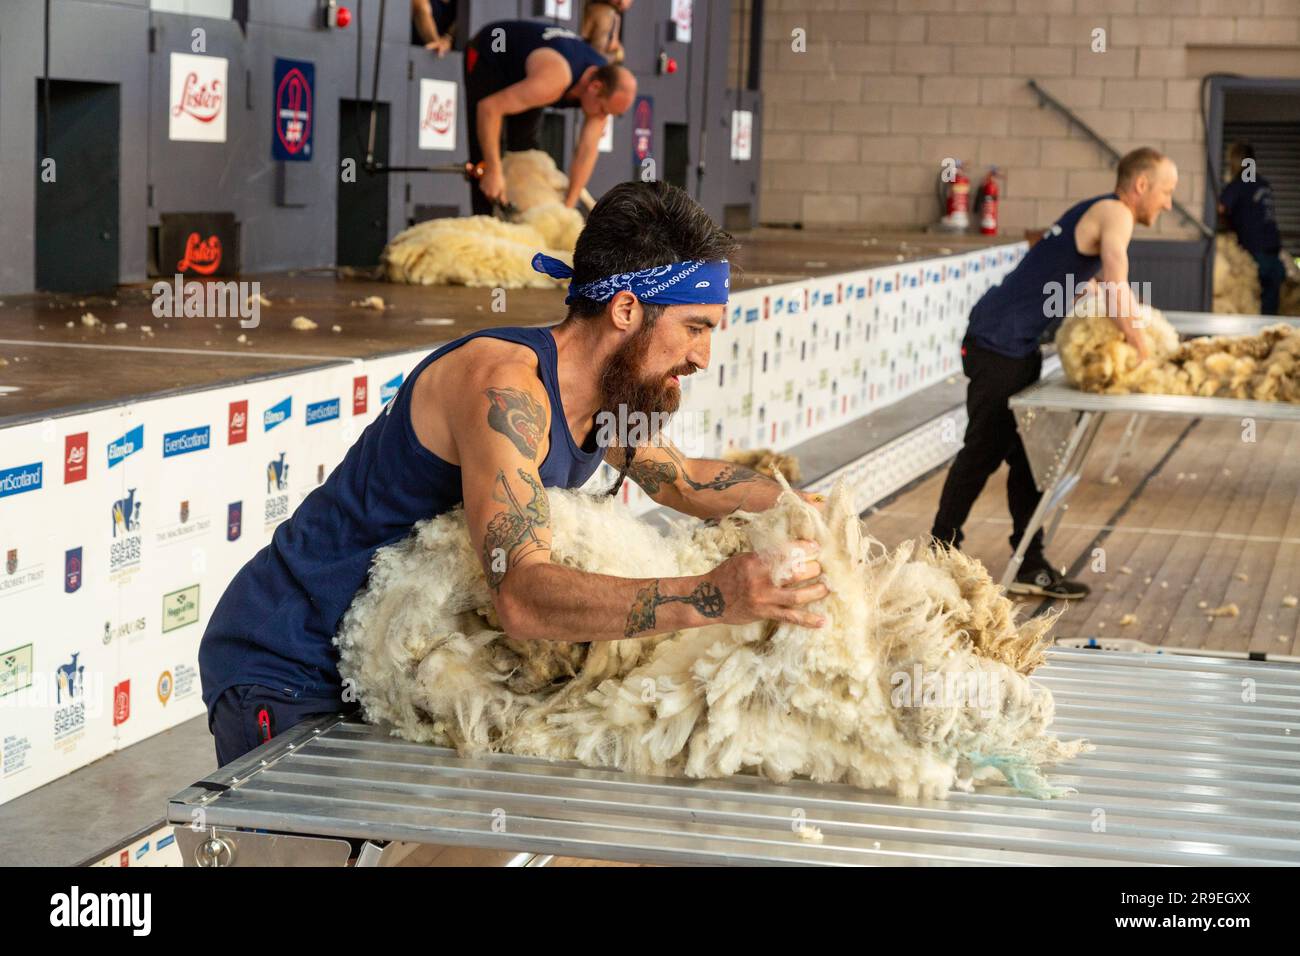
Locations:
{"points": [[988, 204], [956, 201]]}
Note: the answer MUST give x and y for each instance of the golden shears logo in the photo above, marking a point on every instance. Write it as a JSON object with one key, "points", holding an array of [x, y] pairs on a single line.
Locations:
{"points": [[75, 909]]}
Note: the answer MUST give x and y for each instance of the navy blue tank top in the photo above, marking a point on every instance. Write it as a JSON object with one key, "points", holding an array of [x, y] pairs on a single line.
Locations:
{"points": [[521, 38], [1012, 316], [275, 623]]}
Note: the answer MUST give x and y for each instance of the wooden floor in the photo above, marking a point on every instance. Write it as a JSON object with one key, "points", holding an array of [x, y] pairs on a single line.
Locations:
{"points": [[1198, 519], [47, 365]]}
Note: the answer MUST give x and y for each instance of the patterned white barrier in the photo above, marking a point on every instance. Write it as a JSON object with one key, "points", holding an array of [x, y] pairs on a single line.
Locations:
{"points": [[120, 527]]}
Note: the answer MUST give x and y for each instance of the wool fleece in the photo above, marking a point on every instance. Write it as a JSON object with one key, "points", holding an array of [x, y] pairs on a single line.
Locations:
{"points": [[1096, 358], [919, 683], [483, 251]]}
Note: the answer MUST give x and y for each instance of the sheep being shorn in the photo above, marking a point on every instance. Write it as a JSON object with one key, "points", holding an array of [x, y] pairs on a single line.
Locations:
{"points": [[483, 251], [918, 684], [1096, 358]]}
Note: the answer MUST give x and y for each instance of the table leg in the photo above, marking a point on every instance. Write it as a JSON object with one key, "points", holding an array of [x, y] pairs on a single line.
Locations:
{"points": [[1076, 452]]}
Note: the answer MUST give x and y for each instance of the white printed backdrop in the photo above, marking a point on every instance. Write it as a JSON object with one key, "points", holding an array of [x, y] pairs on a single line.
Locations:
{"points": [[101, 652]]}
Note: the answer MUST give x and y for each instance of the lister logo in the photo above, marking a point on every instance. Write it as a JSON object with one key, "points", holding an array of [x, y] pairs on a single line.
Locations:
{"points": [[75, 452], [131, 910], [201, 255], [359, 391], [238, 422]]}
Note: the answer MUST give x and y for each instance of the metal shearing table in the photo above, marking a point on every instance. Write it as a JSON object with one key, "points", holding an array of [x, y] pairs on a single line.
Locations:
{"points": [[1184, 772], [1059, 423]]}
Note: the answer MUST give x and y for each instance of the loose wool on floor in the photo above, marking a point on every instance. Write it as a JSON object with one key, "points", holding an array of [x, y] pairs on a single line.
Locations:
{"points": [[919, 684]]}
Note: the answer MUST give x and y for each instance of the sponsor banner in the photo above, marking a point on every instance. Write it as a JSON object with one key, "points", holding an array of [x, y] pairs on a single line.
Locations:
{"points": [[681, 17], [187, 440], [323, 411], [76, 449], [198, 244], [197, 103], [742, 134], [20, 478], [438, 111], [293, 110], [643, 130]]}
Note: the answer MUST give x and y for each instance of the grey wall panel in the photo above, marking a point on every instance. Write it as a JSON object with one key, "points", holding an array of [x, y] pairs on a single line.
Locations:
{"points": [[1180, 272], [90, 42]]}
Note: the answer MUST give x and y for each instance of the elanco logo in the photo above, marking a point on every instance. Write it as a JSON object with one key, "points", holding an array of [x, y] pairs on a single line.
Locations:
{"points": [[203, 102], [439, 115], [75, 448], [238, 422], [201, 255]]}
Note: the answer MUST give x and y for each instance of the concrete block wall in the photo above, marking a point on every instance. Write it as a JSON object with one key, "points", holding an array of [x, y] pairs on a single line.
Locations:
{"points": [[856, 128]]}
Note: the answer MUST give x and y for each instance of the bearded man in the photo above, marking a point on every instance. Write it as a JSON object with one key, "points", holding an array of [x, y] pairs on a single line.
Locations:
{"points": [[490, 421]]}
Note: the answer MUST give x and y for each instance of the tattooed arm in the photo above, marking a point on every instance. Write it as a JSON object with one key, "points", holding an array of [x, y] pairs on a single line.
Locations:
{"points": [[501, 435], [702, 487]]}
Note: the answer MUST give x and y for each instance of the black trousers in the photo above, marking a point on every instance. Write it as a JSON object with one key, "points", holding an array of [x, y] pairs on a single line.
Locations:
{"points": [[521, 131], [991, 439]]}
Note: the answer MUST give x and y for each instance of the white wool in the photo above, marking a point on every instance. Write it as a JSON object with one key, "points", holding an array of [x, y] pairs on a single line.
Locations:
{"points": [[1096, 358], [1236, 277], [483, 251], [422, 648]]}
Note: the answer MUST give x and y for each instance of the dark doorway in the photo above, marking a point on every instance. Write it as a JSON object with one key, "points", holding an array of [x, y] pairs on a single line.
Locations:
{"points": [[362, 224], [676, 154], [78, 167]]}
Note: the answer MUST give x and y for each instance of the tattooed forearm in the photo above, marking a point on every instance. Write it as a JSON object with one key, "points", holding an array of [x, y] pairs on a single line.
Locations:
{"points": [[652, 475], [512, 533], [706, 599], [518, 416], [728, 476]]}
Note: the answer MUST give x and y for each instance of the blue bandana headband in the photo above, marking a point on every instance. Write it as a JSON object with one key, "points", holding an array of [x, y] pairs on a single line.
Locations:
{"points": [[681, 283]]}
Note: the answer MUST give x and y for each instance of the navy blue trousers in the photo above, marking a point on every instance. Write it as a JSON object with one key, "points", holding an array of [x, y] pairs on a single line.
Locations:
{"points": [[247, 716]]}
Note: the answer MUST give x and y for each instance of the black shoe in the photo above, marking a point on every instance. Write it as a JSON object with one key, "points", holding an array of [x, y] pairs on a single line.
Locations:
{"points": [[1044, 581]]}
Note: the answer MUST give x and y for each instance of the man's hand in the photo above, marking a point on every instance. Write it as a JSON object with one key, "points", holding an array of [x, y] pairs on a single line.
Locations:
{"points": [[493, 185], [817, 501], [751, 594], [441, 46], [1134, 339]]}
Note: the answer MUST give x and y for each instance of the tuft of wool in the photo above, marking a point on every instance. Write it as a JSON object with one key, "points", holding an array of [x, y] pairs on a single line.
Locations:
{"points": [[765, 461], [918, 684], [483, 251], [1096, 358], [1236, 277]]}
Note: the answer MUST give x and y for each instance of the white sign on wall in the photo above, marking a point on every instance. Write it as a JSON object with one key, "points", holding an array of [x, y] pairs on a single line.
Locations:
{"points": [[607, 137], [559, 9], [437, 114], [742, 134], [681, 16], [197, 104]]}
